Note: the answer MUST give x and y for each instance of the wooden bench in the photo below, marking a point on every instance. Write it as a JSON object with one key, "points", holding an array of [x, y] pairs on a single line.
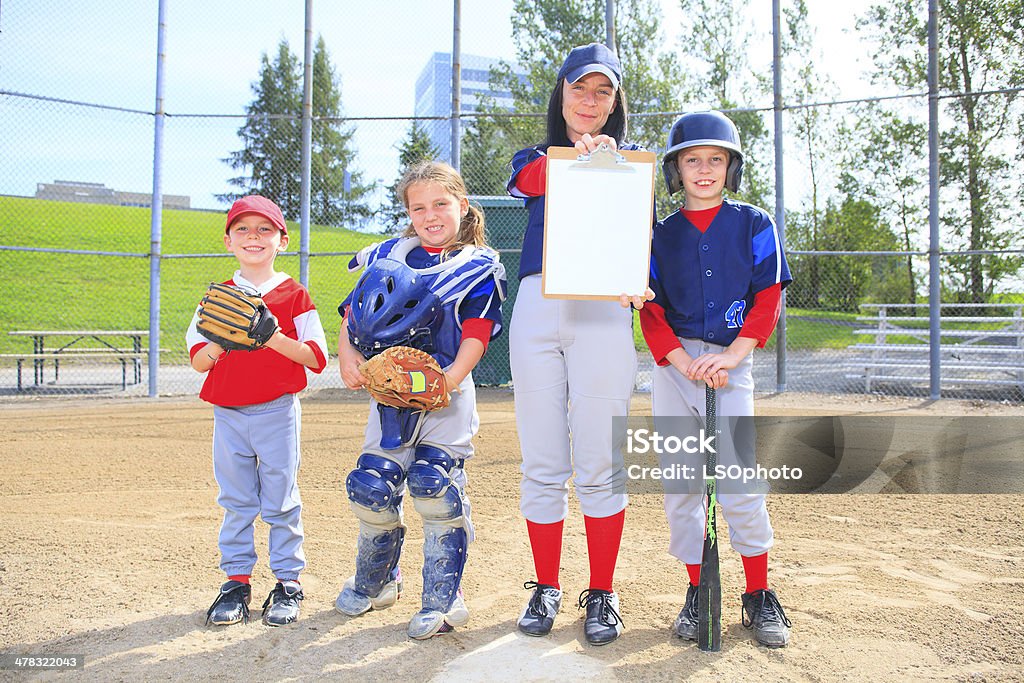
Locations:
{"points": [[107, 354], [970, 354]]}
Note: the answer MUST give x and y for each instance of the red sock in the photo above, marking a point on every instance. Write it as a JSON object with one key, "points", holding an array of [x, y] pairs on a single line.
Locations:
{"points": [[240, 578], [604, 534], [694, 571], [546, 542], [756, 570]]}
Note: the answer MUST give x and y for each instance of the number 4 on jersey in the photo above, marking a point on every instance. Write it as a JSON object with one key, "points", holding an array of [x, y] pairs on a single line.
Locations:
{"points": [[734, 316]]}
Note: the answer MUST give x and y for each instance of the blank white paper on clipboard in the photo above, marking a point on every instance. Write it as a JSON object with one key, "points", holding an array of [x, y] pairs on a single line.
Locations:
{"points": [[597, 223]]}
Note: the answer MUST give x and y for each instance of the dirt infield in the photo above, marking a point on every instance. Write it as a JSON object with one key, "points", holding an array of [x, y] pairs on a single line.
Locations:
{"points": [[109, 521]]}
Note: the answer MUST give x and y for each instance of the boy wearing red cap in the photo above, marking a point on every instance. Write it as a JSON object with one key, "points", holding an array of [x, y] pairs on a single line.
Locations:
{"points": [[256, 418]]}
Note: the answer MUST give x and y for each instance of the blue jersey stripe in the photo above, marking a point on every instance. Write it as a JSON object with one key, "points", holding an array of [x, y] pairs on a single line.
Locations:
{"points": [[766, 243]]}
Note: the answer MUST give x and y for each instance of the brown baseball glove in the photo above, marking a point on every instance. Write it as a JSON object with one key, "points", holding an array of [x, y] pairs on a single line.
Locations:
{"points": [[235, 318], [404, 377]]}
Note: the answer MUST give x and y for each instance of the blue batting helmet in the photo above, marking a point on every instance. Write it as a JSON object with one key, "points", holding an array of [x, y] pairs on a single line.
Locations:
{"points": [[698, 129], [391, 305]]}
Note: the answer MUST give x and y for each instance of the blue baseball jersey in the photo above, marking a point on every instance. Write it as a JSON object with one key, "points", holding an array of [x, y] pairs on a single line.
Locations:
{"points": [[706, 282], [470, 284], [532, 259]]}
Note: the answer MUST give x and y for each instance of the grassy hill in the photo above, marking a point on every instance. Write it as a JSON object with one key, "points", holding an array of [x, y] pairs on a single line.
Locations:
{"points": [[75, 291], [70, 291]]}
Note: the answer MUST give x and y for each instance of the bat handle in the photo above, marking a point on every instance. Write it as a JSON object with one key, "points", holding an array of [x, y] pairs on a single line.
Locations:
{"points": [[710, 404]]}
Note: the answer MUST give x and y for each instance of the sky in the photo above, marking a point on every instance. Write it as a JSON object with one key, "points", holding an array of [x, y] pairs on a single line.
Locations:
{"points": [[105, 53]]}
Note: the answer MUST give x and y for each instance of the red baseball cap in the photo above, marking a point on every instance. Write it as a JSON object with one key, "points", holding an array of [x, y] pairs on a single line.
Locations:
{"points": [[261, 206]]}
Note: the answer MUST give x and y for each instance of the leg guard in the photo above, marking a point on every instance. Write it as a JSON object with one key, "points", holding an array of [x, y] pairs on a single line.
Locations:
{"points": [[431, 471], [374, 491], [445, 541], [398, 426]]}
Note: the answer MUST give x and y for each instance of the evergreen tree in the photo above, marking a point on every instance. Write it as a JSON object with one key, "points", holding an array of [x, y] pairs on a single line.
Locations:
{"points": [[485, 156], [270, 160], [415, 148], [338, 194], [272, 135]]}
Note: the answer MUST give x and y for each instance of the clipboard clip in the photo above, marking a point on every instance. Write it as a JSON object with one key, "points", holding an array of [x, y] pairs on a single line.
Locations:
{"points": [[604, 158]]}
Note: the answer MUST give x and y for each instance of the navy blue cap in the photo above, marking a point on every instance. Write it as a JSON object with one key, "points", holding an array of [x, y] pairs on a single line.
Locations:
{"points": [[588, 59]]}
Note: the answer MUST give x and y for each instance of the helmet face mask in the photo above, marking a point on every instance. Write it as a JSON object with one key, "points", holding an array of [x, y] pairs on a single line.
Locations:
{"points": [[704, 128], [391, 305]]}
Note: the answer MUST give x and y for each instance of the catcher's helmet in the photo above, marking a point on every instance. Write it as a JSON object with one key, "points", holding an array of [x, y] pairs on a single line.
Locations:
{"points": [[391, 305], [703, 128]]}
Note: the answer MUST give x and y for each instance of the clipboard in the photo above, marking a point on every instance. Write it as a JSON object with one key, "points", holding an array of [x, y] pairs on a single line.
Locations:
{"points": [[598, 217]]}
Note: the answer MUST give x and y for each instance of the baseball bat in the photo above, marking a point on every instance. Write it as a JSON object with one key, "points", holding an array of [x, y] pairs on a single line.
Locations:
{"points": [[709, 590]]}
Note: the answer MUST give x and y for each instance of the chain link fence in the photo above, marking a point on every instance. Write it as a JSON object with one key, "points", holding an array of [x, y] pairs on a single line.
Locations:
{"points": [[77, 235]]}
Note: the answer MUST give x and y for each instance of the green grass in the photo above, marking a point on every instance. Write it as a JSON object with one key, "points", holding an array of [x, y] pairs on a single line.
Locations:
{"points": [[824, 330], [68, 291], [813, 329]]}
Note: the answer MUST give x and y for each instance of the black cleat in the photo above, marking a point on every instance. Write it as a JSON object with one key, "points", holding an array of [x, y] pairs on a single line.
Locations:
{"points": [[282, 605], [539, 615], [603, 623], [231, 605], [763, 613], [686, 623]]}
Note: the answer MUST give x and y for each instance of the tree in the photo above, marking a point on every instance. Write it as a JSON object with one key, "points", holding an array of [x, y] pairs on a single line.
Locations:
{"points": [[415, 148], [544, 31], [809, 122], [981, 48], [271, 135], [337, 192], [270, 158], [715, 46], [484, 169], [894, 179], [842, 282]]}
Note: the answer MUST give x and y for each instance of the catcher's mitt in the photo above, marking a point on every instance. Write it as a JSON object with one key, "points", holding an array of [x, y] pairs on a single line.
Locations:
{"points": [[404, 377], [235, 318]]}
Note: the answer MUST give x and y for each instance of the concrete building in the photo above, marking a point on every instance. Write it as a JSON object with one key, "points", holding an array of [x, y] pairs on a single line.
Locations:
{"points": [[434, 93], [98, 193]]}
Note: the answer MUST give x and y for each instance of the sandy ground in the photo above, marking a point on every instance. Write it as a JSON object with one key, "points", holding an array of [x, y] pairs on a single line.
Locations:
{"points": [[109, 526]]}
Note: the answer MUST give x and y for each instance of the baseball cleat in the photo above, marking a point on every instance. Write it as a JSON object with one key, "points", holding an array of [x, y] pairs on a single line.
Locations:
{"points": [[231, 605], [763, 613], [539, 615], [429, 623], [603, 623], [685, 625], [353, 603], [282, 605]]}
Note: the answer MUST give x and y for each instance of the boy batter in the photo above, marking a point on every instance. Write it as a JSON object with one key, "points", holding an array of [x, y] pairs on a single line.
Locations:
{"points": [[717, 271]]}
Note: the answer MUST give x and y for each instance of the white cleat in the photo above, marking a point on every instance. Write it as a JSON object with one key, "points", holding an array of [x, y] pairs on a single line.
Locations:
{"points": [[353, 603], [429, 623]]}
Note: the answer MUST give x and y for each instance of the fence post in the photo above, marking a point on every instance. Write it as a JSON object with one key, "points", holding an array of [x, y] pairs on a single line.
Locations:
{"points": [[934, 284], [457, 86], [307, 147], [156, 206], [780, 202]]}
